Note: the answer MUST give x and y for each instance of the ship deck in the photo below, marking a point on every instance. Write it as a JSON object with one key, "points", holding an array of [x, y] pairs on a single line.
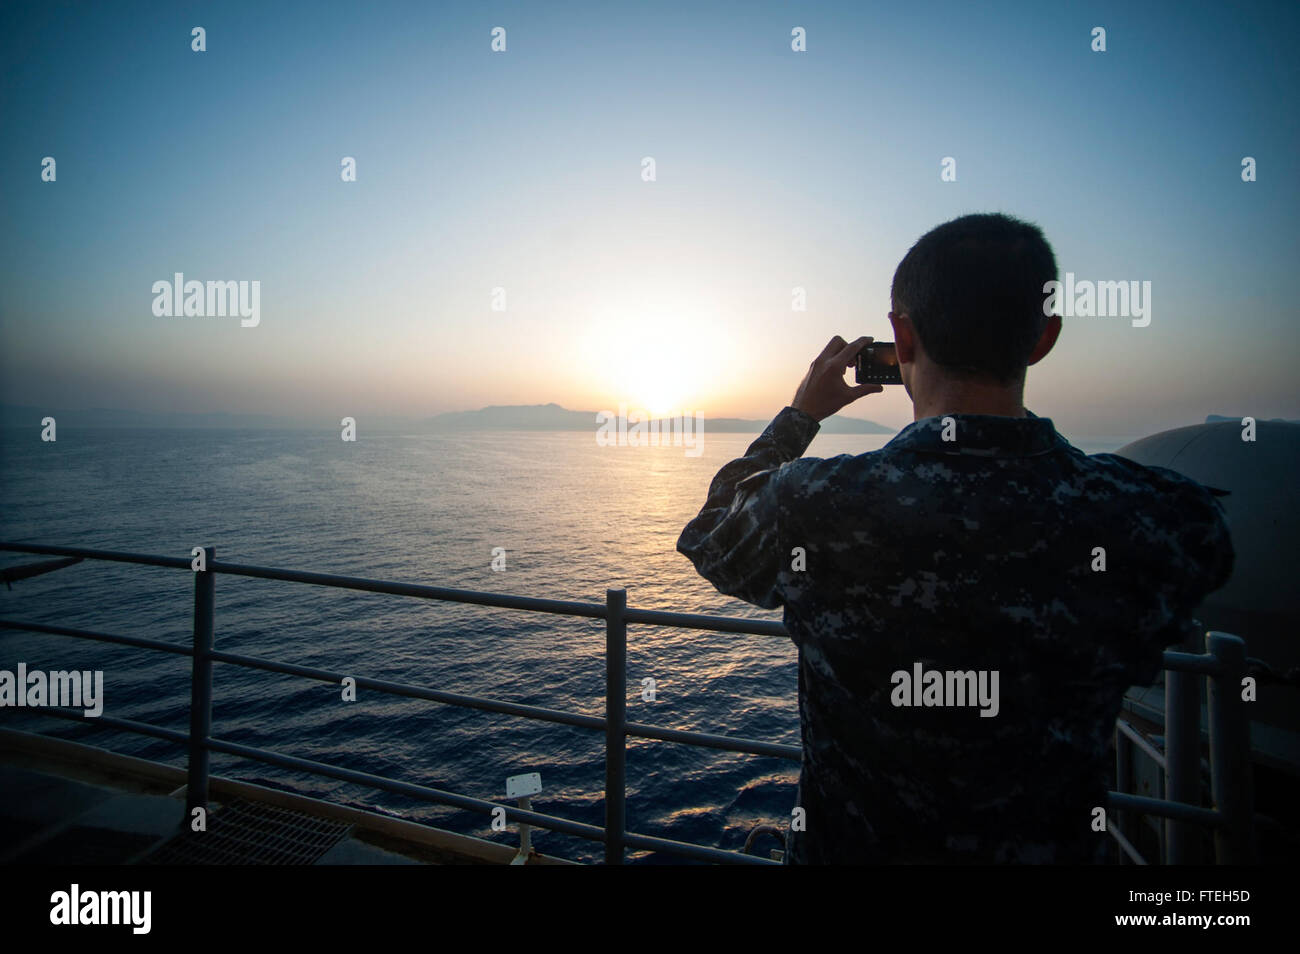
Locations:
{"points": [[65, 803]]}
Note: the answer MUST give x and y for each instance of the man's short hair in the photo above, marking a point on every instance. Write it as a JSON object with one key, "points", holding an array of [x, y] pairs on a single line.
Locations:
{"points": [[973, 288]]}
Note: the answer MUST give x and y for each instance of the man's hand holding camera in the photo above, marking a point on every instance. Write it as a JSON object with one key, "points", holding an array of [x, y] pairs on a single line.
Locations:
{"points": [[824, 390]]}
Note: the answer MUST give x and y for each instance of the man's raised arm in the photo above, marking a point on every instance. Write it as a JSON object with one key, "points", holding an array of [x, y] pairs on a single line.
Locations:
{"points": [[734, 542]]}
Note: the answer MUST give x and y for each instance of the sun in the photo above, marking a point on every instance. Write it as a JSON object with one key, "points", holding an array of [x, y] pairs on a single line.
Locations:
{"points": [[657, 399], [658, 358], [656, 377]]}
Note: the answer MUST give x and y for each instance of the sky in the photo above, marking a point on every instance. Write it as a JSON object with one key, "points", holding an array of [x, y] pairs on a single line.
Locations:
{"points": [[522, 170]]}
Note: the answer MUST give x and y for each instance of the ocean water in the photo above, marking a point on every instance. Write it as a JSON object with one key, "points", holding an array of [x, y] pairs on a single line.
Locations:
{"points": [[574, 518]]}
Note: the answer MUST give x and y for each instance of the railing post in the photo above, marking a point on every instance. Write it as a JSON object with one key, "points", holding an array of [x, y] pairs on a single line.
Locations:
{"points": [[1182, 760], [1124, 782], [196, 790], [1230, 765], [615, 724]]}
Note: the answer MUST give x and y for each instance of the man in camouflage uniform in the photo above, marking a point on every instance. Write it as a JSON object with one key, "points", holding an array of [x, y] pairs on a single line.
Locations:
{"points": [[968, 543]]}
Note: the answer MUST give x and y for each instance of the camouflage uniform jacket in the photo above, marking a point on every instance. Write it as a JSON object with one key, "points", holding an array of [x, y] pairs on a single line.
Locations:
{"points": [[976, 553]]}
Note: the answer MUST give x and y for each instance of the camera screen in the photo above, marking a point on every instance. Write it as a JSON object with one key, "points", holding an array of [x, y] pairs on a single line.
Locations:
{"points": [[878, 364]]}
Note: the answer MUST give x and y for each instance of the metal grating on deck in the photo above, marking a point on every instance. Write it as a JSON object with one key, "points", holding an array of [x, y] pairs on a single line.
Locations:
{"points": [[252, 833]]}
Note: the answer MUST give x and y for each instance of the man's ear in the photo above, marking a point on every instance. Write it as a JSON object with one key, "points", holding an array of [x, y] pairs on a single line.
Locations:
{"points": [[904, 337], [1051, 332]]}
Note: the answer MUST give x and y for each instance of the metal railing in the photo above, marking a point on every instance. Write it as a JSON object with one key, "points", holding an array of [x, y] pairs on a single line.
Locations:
{"points": [[1224, 665], [614, 611], [1229, 735]]}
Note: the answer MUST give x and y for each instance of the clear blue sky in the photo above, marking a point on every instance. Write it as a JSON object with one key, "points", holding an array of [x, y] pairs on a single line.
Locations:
{"points": [[522, 170]]}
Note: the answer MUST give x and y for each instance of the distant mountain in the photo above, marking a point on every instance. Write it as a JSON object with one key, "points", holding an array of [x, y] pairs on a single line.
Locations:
{"points": [[1219, 418], [519, 417], [522, 417], [552, 417]]}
